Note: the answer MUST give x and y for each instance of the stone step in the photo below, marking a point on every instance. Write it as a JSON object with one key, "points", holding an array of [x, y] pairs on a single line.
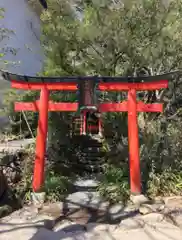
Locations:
{"points": [[93, 160], [97, 138], [88, 162], [89, 153], [87, 145], [88, 168], [91, 149], [89, 156], [86, 184], [87, 141], [87, 199]]}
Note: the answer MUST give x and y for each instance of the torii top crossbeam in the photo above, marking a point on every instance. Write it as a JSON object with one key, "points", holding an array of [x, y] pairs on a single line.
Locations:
{"points": [[98, 79]]}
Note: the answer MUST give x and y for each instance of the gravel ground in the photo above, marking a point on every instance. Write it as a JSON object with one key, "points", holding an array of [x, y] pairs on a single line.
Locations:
{"points": [[50, 223]]}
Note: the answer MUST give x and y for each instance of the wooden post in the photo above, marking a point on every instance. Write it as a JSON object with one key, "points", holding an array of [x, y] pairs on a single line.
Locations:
{"points": [[100, 126], [133, 142], [38, 178], [84, 123]]}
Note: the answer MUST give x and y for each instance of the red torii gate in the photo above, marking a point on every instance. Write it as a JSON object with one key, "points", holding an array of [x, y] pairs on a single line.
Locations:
{"points": [[129, 84]]}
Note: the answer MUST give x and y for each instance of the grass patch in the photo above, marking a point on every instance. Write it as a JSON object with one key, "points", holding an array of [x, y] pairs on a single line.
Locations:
{"points": [[115, 185]]}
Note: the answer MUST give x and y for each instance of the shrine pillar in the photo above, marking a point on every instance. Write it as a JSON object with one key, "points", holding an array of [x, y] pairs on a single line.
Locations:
{"points": [[39, 166], [133, 142]]}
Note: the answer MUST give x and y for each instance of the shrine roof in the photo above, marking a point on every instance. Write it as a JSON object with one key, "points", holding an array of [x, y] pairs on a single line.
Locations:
{"points": [[98, 79]]}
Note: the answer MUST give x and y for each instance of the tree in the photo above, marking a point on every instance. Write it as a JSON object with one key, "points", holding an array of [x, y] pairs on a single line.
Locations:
{"points": [[114, 38], [109, 38], [43, 3]]}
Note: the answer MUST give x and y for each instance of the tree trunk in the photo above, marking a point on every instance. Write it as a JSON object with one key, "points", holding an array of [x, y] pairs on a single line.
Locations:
{"points": [[3, 183]]}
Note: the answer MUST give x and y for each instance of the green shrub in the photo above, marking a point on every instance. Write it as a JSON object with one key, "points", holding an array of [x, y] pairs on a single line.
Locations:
{"points": [[56, 186], [18, 120], [23, 188], [166, 183], [114, 185]]}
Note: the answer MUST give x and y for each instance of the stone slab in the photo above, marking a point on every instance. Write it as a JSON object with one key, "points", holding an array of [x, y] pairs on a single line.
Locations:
{"points": [[87, 199], [173, 202], [86, 183], [139, 199]]}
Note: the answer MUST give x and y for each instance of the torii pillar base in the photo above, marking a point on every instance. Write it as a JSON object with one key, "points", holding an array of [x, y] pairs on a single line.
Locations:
{"points": [[139, 199], [38, 199]]}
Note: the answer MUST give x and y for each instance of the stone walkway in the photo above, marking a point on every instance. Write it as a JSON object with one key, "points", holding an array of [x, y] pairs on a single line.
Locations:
{"points": [[49, 223], [15, 145]]}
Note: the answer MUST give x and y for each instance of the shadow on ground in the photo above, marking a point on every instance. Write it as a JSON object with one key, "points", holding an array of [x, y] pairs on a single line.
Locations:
{"points": [[80, 215], [84, 220]]}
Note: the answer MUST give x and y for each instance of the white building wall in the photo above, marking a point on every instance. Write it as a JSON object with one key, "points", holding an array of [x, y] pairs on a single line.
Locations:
{"points": [[20, 18]]}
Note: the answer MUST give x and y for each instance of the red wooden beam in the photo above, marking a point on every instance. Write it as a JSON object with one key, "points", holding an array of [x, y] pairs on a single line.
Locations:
{"points": [[103, 107], [39, 86], [39, 165], [138, 86], [113, 107], [123, 107], [150, 107], [101, 86], [53, 107], [133, 143], [26, 106]]}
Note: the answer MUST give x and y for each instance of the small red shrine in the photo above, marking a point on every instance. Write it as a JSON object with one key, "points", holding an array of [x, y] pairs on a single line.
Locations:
{"points": [[88, 111]]}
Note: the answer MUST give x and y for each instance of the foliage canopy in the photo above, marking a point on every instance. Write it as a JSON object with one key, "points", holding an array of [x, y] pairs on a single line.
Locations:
{"points": [[112, 37]]}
